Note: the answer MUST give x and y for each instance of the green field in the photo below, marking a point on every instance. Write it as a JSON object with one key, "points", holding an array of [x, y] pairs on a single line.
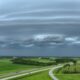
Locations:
{"points": [[38, 76], [6, 66], [68, 76]]}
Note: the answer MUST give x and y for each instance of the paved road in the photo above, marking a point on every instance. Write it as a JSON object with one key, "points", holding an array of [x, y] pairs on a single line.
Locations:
{"points": [[51, 72]]}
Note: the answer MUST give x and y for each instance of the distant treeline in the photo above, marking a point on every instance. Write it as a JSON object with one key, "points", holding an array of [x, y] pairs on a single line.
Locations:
{"points": [[64, 60], [31, 62], [28, 61]]}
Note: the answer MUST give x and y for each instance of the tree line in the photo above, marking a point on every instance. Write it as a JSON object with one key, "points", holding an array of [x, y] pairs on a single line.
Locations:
{"points": [[31, 62]]}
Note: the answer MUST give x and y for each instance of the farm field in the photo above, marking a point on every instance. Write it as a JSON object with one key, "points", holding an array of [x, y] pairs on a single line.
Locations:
{"points": [[38, 76]]}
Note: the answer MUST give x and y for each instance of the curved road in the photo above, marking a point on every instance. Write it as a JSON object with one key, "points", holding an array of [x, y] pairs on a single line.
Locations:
{"points": [[36, 71], [51, 72]]}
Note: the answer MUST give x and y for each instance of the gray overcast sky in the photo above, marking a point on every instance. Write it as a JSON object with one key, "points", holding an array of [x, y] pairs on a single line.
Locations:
{"points": [[22, 19]]}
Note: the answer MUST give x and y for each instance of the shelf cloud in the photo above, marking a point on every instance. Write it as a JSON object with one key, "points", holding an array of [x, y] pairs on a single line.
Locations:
{"points": [[40, 27], [41, 40], [21, 11]]}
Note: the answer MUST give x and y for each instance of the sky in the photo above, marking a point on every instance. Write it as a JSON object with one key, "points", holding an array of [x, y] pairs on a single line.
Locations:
{"points": [[39, 27]]}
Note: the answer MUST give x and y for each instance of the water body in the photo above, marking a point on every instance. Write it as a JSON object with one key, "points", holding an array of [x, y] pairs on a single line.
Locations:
{"points": [[39, 28]]}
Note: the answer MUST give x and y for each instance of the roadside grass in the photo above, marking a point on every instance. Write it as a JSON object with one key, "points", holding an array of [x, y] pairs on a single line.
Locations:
{"points": [[37, 76]]}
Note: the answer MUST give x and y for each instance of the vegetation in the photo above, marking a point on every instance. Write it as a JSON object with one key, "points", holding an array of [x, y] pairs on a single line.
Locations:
{"points": [[37, 76], [68, 76], [71, 69], [17, 64], [64, 60], [6, 66], [69, 72], [31, 62]]}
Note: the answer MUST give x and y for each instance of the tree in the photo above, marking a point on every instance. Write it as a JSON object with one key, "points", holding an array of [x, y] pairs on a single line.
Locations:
{"points": [[75, 62]]}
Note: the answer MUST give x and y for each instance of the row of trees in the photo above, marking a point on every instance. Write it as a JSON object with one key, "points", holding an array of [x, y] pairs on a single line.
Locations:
{"points": [[31, 62], [65, 60]]}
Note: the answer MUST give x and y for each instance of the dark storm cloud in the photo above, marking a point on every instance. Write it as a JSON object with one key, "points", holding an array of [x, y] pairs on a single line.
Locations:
{"points": [[22, 11], [33, 24], [41, 40]]}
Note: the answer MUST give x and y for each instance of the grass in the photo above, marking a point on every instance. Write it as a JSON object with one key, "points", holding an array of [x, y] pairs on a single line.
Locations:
{"points": [[37, 76], [68, 76], [6, 66]]}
